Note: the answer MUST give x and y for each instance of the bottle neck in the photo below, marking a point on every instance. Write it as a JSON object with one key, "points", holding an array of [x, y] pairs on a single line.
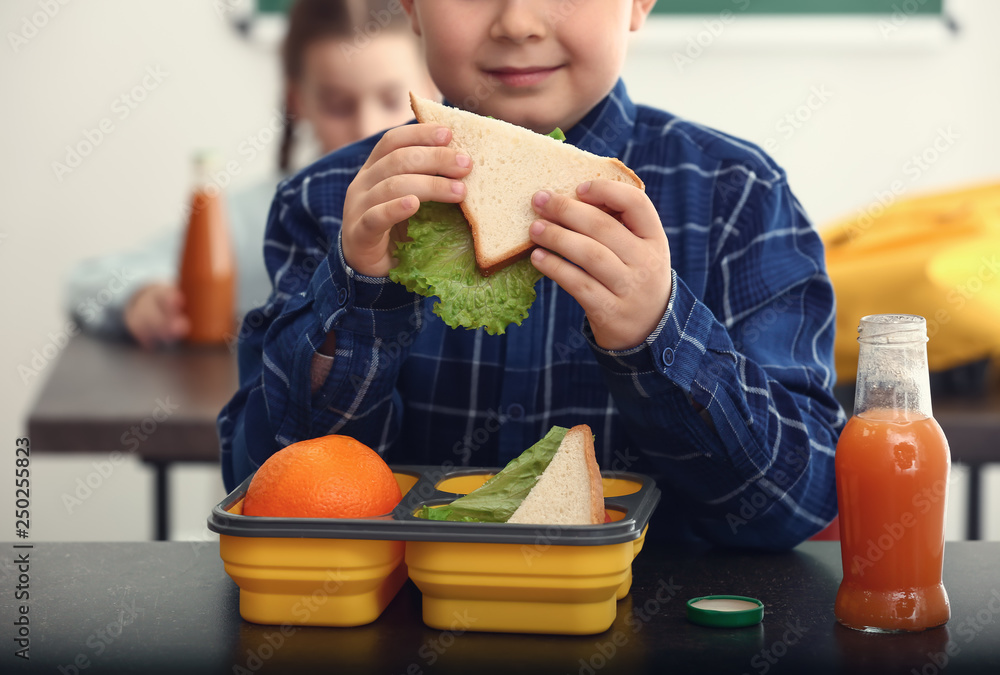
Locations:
{"points": [[203, 183], [893, 378], [206, 165]]}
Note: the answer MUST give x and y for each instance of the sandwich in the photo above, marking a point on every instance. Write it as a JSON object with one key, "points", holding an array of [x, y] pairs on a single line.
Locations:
{"points": [[472, 255], [556, 481]]}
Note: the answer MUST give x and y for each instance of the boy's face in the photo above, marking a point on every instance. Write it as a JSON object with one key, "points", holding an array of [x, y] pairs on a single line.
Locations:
{"points": [[536, 63]]}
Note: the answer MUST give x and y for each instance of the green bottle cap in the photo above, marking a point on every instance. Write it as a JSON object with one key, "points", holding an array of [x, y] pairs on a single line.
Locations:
{"points": [[725, 611]]}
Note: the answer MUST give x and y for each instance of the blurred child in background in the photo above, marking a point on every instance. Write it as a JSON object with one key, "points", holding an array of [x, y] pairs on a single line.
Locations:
{"points": [[339, 87]]}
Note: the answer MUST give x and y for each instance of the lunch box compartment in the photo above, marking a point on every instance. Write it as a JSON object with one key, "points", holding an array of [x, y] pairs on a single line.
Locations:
{"points": [[500, 576], [520, 588], [463, 483], [314, 582]]}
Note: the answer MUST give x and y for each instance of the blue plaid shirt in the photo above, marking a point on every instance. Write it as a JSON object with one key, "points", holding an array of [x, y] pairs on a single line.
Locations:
{"points": [[727, 403]]}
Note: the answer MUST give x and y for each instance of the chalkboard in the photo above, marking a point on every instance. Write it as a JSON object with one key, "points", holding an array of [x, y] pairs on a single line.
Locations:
{"points": [[273, 6], [906, 7]]}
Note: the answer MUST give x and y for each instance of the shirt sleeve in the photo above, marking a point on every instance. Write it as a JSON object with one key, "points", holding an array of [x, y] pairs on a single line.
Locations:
{"points": [[99, 289], [315, 292], [754, 350]]}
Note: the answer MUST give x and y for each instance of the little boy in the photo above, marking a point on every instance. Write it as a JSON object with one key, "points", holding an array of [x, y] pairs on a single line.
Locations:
{"points": [[690, 325]]}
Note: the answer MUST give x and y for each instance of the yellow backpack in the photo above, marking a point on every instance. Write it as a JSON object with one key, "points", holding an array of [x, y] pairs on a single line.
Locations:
{"points": [[937, 256]]}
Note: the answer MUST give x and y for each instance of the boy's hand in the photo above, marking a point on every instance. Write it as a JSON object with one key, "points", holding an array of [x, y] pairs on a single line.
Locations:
{"points": [[608, 251], [407, 166]]}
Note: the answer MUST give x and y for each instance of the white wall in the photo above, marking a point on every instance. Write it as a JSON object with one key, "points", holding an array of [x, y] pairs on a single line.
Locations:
{"points": [[215, 90], [864, 96], [887, 99]]}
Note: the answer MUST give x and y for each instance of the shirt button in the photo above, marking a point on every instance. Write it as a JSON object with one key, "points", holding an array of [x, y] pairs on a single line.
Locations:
{"points": [[668, 357], [342, 297], [515, 411]]}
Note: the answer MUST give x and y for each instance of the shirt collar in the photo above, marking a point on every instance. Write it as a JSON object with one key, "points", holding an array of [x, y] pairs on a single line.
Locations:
{"points": [[607, 128]]}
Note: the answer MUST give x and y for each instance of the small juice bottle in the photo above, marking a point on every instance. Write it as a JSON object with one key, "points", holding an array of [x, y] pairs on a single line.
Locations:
{"points": [[207, 276], [892, 467]]}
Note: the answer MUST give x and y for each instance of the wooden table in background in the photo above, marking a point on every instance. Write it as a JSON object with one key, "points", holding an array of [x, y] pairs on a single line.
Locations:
{"points": [[972, 427], [161, 406]]}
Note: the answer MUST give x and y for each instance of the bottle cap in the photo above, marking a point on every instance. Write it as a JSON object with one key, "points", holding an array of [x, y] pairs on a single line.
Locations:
{"points": [[725, 611], [207, 163], [210, 158]]}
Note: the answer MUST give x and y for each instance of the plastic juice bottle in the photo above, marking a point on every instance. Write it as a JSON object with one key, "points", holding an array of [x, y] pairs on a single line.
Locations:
{"points": [[207, 276], [892, 468]]}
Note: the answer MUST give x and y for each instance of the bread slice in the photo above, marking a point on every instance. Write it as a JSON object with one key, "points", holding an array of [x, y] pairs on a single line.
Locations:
{"points": [[569, 491], [509, 165]]}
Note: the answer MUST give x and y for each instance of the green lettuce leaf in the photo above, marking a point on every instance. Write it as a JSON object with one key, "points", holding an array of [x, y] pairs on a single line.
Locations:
{"points": [[501, 495], [556, 133], [439, 260]]}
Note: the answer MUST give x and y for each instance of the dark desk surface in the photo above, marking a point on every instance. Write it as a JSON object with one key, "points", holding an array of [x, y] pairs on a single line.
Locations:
{"points": [[169, 607], [97, 391]]}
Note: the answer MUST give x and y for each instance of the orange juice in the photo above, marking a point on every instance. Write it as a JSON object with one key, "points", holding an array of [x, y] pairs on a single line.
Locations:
{"points": [[892, 478], [892, 467], [207, 277]]}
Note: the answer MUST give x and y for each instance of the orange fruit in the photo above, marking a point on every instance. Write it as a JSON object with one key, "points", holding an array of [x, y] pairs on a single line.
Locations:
{"points": [[328, 477]]}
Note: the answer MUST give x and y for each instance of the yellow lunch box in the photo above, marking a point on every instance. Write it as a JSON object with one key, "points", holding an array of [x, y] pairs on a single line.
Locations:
{"points": [[472, 576]]}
